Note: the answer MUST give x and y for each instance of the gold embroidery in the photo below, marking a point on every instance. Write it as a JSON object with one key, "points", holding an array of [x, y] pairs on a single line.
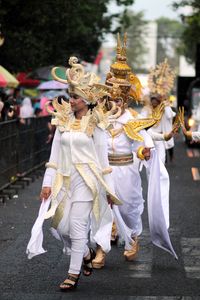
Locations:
{"points": [[92, 186], [132, 128]]}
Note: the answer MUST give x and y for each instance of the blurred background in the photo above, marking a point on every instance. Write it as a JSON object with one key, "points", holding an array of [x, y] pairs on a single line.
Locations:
{"points": [[38, 35]]}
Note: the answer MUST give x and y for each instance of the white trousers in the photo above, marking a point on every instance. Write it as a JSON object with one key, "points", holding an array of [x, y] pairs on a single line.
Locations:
{"points": [[78, 228], [128, 188]]}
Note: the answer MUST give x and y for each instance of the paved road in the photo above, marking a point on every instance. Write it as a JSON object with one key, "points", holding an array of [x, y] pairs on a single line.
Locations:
{"points": [[154, 275]]}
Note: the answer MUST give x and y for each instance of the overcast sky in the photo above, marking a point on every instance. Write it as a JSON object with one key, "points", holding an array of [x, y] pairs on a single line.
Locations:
{"points": [[153, 9]]}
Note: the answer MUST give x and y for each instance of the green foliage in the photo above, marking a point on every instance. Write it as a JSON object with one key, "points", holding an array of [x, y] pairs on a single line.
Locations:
{"points": [[168, 42], [190, 36], [39, 33]]}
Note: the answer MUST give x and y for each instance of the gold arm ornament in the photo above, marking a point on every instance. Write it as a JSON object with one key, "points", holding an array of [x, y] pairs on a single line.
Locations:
{"points": [[157, 112], [139, 153], [132, 128]]}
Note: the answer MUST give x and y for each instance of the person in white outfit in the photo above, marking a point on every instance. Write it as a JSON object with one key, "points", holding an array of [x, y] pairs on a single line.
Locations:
{"points": [[77, 179], [163, 127], [26, 109], [128, 145], [160, 82]]}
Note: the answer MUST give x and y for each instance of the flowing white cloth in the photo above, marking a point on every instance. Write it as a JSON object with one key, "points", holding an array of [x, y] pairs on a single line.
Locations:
{"points": [[34, 246], [158, 221]]}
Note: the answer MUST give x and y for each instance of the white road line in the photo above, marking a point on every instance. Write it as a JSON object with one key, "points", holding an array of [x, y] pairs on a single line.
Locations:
{"points": [[141, 267], [190, 153], [191, 256], [195, 174], [196, 152]]}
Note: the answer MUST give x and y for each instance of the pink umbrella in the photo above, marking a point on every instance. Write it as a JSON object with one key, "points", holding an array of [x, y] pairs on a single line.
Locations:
{"points": [[52, 85]]}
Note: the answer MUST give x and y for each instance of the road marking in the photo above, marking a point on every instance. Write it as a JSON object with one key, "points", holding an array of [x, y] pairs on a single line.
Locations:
{"points": [[193, 152], [189, 153], [141, 267], [196, 153], [191, 256], [195, 174]]}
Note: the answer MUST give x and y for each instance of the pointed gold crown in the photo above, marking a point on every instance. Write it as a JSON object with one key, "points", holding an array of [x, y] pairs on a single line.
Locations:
{"points": [[82, 84], [124, 82], [161, 79]]}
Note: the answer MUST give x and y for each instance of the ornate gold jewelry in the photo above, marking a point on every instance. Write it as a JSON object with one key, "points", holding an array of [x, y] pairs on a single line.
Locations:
{"points": [[167, 136], [139, 153], [64, 117], [76, 125], [161, 80]]}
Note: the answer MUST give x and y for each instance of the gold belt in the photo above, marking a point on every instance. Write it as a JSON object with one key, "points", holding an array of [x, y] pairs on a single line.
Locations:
{"points": [[120, 159]]}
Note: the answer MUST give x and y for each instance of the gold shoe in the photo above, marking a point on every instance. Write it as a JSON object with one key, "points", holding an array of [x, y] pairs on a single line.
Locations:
{"points": [[114, 235], [99, 261], [131, 254]]}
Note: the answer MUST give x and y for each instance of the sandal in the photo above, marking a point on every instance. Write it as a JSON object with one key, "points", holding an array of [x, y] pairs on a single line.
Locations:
{"points": [[87, 263], [70, 283]]}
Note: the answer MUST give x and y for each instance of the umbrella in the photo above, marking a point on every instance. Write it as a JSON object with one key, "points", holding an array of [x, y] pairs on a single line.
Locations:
{"points": [[53, 94], [44, 73], [7, 79], [52, 85], [27, 82]]}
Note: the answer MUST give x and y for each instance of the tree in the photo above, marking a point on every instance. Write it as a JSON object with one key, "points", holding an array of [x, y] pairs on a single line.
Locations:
{"points": [[39, 33], [168, 41], [190, 36], [134, 24]]}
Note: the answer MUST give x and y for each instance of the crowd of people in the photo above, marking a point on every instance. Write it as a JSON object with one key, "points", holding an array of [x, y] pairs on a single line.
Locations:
{"points": [[92, 188], [13, 105]]}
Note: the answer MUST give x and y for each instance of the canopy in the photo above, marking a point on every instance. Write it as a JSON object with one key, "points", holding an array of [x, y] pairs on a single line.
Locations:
{"points": [[7, 79], [27, 82], [44, 73], [52, 85]]}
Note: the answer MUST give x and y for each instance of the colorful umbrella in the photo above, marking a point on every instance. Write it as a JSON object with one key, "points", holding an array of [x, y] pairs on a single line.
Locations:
{"points": [[27, 82], [7, 79], [44, 73], [52, 85]]}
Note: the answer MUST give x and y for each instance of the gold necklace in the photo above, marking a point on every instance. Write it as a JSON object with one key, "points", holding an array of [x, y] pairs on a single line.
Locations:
{"points": [[76, 125]]}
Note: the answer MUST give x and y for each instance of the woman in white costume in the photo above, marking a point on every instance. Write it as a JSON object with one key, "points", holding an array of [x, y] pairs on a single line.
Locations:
{"points": [[77, 178], [128, 145], [160, 83]]}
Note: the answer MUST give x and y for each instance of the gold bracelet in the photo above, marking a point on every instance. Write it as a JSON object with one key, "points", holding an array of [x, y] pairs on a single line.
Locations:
{"points": [[189, 135], [166, 137], [139, 153]]}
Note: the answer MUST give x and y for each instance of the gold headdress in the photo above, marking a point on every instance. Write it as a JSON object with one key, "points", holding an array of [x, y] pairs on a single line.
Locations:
{"points": [[82, 84], [161, 80], [124, 82]]}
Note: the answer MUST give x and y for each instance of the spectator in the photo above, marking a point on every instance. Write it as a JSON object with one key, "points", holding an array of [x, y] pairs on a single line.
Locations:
{"points": [[26, 110]]}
